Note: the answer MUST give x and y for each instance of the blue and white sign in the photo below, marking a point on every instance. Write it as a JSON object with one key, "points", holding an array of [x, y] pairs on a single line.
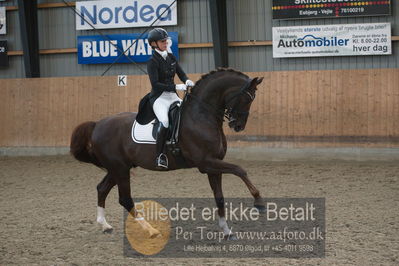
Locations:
{"points": [[100, 50], [124, 14], [332, 40]]}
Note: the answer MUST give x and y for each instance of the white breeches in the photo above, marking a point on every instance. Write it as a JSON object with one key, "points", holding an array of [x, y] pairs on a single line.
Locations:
{"points": [[162, 104]]}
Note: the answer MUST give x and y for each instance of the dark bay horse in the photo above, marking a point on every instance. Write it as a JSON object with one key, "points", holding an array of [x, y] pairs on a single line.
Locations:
{"points": [[108, 144]]}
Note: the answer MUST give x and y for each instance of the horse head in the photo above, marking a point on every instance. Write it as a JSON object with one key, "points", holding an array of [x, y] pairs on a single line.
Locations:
{"points": [[229, 93], [238, 104]]}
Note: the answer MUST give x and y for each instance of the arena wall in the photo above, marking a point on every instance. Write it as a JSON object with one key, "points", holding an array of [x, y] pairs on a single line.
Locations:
{"points": [[313, 102], [332, 108]]}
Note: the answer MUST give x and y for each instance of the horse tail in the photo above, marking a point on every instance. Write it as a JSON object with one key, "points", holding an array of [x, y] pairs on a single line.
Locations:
{"points": [[80, 147]]}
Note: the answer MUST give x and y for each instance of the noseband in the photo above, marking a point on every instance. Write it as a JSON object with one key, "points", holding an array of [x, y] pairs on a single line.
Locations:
{"points": [[230, 112]]}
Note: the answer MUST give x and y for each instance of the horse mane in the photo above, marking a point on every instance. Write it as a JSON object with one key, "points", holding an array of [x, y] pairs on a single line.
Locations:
{"points": [[218, 70]]}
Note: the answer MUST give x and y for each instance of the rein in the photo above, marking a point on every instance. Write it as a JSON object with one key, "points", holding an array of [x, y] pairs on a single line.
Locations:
{"points": [[225, 112]]}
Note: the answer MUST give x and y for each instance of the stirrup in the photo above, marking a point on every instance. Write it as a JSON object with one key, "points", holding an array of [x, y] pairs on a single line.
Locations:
{"points": [[162, 161]]}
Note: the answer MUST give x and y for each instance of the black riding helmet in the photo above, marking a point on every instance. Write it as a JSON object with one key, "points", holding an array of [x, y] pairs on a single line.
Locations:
{"points": [[157, 34]]}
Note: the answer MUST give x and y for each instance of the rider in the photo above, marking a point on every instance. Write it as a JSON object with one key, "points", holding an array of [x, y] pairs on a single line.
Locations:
{"points": [[161, 69]]}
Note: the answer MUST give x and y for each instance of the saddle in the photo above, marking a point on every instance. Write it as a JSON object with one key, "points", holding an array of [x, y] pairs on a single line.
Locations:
{"points": [[146, 134]]}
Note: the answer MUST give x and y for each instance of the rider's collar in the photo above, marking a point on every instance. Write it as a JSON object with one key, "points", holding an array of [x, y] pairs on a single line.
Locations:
{"points": [[164, 54]]}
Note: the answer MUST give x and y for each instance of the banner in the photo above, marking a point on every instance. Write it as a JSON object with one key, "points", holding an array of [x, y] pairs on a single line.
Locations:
{"points": [[3, 54], [294, 9], [3, 20], [100, 50], [124, 14], [332, 40]]}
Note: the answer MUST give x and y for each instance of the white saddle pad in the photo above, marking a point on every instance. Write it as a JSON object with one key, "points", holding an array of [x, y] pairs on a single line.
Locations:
{"points": [[143, 133]]}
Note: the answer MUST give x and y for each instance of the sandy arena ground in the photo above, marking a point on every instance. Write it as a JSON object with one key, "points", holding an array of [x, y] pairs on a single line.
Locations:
{"points": [[48, 208]]}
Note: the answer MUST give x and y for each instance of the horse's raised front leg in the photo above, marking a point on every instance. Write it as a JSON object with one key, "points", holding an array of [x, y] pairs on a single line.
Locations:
{"points": [[215, 180], [216, 166], [103, 188]]}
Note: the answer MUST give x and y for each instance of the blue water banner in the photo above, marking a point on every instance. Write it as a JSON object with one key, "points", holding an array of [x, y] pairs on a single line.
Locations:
{"points": [[103, 50]]}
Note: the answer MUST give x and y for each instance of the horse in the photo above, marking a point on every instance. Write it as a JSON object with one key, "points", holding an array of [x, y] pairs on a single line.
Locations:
{"points": [[107, 143]]}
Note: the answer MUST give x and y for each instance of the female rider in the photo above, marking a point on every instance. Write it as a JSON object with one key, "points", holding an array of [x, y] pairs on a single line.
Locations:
{"points": [[161, 69]]}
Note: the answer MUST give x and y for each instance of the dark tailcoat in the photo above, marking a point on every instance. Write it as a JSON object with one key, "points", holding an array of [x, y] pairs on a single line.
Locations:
{"points": [[161, 73]]}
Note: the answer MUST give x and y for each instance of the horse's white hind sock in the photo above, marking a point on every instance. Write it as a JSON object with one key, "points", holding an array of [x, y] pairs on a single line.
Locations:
{"points": [[223, 225]]}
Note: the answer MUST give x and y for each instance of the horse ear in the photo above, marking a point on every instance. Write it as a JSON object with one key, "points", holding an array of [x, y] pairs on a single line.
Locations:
{"points": [[256, 81]]}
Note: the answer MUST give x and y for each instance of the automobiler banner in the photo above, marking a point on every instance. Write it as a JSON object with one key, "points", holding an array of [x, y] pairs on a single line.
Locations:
{"points": [[294, 9], [101, 50], [332, 40]]}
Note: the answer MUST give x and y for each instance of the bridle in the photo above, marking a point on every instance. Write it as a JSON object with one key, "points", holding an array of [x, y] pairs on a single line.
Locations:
{"points": [[231, 112], [227, 112]]}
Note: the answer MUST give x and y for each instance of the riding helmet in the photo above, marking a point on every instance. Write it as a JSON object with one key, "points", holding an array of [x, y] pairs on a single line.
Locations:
{"points": [[157, 34]]}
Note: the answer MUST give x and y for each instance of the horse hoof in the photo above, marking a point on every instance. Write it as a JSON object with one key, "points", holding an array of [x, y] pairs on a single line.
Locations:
{"points": [[230, 237], [108, 230], [260, 208], [155, 234]]}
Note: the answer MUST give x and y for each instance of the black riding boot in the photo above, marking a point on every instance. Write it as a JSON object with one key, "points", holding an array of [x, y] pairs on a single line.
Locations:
{"points": [[161, 161]]}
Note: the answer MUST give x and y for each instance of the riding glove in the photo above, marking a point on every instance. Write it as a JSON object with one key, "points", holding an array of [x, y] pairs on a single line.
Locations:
{"points": [[189, 83], [181, 87]]}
